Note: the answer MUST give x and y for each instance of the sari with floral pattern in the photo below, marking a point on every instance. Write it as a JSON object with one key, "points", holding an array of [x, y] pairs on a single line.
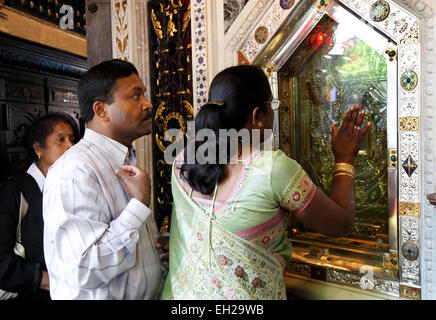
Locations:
{"points": [[236, 249]]}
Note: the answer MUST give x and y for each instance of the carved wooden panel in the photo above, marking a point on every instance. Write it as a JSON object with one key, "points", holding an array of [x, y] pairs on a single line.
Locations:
{"points": [[34, 80], [171, 72]]}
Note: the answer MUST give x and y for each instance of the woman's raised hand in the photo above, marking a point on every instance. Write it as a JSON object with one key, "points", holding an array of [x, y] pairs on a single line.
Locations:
{"points": [[347, 141]]}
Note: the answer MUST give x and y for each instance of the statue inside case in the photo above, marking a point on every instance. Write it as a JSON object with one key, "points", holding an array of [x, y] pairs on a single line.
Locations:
{"points": [[336, 63]]}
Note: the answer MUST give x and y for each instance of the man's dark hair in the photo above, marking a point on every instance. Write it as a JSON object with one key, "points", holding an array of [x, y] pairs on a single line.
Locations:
{"points": [[99, 83]]}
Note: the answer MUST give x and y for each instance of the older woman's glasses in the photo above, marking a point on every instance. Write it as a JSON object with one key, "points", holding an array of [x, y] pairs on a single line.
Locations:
{"points": [[274, 103]]}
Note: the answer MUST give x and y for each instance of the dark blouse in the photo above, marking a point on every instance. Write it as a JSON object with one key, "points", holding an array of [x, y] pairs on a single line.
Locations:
{"points": [[18, 274]]}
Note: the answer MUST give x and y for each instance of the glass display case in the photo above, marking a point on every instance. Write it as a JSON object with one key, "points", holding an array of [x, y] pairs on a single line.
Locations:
{"points": [[321, 64], [331, 70]]}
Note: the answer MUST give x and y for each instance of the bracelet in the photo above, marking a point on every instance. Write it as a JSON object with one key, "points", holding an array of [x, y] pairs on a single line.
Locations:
{"points": [[346, 167], [343, 174]]}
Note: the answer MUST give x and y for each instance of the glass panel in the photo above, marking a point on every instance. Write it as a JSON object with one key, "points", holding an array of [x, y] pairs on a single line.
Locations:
{"points": [[330, 71]]}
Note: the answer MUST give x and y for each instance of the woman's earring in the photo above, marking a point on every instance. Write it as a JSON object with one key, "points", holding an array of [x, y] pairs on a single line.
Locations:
{"points": [[39, 156], [260, 124]]}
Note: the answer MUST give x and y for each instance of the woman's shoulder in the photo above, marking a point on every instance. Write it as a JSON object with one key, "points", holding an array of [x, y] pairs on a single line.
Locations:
{"points": [[9, 194], [277, 158], [18, 181], [23, 178]]}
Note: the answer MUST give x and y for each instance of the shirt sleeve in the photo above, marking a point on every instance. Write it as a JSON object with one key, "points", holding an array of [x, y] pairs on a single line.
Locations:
{"points": [[93, 246], [291, 185]]}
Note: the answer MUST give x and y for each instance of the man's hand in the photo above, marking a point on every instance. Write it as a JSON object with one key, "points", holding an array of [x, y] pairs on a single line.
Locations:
{"points": [[136, 182], [45, 281], [164, 243]]}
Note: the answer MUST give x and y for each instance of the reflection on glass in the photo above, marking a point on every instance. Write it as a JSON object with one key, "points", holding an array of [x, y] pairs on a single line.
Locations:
{"points": [[331, 71]]}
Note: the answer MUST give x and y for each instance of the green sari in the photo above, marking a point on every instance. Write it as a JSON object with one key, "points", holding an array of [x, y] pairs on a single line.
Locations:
{"points": [[239, 249]]}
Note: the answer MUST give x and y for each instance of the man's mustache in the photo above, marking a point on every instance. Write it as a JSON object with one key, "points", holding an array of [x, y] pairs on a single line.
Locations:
{"points": [[148, 115]]}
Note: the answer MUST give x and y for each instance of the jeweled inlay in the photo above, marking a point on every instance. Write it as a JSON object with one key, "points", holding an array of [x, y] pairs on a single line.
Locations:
{"points": [[379, 11], [409, 124], [286, 4], [409, 80], [410, 251], [409, 166], [261, 35]]}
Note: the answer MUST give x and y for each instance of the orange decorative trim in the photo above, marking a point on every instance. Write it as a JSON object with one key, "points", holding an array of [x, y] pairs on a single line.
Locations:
{"points": [[242, 59], [409, 124], [410, 292], [410, 209]]}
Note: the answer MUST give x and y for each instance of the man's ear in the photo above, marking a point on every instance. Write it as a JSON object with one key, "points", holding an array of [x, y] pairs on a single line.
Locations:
{"points": [[100, 110]]}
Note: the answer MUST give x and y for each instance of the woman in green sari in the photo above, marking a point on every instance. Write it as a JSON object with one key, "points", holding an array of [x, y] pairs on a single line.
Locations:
{"points": [[228, 226]]}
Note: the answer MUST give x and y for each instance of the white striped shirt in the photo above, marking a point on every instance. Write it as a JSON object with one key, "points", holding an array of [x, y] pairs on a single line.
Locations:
{"points": [[98, 241]]}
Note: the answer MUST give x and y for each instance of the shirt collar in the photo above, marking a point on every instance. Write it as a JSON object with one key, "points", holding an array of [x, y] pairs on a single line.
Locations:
{"points": [[120, 154], [37, 175], [131, 157]]}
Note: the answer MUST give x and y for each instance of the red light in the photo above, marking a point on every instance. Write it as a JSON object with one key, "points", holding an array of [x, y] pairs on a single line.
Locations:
{"points": [[316, 39]]}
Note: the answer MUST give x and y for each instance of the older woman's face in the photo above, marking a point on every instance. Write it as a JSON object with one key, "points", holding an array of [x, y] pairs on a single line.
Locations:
{"points": [[60, 140]]}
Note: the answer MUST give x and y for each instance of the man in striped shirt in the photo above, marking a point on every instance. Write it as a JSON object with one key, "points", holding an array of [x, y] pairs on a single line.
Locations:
{"points": [[99, 234]]}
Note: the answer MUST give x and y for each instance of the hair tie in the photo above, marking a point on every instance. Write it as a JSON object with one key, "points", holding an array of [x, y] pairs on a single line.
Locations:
{"points": [[220, 103]]}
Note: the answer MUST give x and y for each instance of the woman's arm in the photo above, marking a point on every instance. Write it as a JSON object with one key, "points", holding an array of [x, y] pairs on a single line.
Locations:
{"points": [[333, 215]]}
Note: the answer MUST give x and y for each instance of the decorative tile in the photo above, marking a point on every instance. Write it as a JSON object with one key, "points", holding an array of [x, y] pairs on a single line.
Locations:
{"points": [[380, 11], [408, 100], [390, 260], [286, 4], [409, 233], [410, 251], [409, 80], [409, 209], [242, 59], [409, 185], [409, 124], [393, 158], [410, 292], [261, 35], [409, 166], [323, 5]]}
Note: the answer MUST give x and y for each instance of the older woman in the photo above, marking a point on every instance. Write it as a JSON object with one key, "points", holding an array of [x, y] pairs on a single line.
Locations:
{"points": [[228, 228], [27, 278]]}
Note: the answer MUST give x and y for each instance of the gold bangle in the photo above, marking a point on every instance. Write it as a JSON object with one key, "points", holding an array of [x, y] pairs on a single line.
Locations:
{"points": [[346, 167], [343, 174]]}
